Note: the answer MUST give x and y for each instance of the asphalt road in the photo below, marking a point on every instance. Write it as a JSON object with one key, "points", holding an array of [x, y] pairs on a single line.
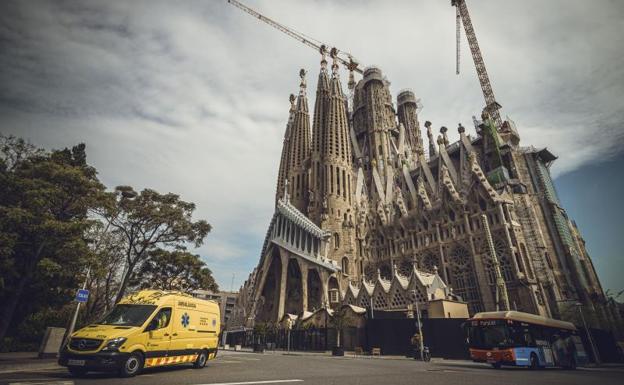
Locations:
{"points": [[232, 368]]}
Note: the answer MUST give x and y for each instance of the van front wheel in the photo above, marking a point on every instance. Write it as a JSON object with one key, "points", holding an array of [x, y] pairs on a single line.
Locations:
{"points": [[132, 366], [200, 362]]}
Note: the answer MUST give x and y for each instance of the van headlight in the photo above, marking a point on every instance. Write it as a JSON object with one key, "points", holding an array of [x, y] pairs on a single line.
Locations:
{"points": [[114, 344]]}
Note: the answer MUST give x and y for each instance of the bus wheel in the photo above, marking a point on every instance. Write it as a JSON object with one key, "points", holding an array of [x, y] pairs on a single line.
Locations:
{"points": [[533, 362], [132, 366], [496, 365], [200, 362]]}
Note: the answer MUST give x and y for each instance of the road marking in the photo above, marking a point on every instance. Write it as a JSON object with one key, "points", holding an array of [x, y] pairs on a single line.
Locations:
{"points": [[43, 383], [255, 382]]}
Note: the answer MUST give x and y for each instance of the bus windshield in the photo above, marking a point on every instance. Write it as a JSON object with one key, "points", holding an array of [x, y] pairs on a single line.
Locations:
{"points": [[487, 337], [128, 315]]}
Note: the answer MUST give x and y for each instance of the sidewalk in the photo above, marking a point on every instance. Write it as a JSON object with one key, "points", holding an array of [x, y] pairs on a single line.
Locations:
{"points": [[348, 354], [25, 361]]}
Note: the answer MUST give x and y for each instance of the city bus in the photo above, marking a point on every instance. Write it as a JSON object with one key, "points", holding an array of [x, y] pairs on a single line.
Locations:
{"points": [[522, 339]]}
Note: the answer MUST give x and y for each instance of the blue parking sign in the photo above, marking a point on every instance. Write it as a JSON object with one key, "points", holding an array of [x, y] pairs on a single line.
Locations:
{"points": [[82, 295]]}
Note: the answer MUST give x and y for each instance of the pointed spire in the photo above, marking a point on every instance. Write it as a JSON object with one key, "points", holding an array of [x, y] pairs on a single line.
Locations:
{"points": [[432, 147], [284, 166], [299, 149]]}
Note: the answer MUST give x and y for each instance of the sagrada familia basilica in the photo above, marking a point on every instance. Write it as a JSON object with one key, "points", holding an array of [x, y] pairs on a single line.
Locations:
{"points": [[370, 213]]}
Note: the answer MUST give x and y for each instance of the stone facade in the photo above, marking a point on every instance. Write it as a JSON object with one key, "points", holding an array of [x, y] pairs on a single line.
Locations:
{"points": [[361, 206]]}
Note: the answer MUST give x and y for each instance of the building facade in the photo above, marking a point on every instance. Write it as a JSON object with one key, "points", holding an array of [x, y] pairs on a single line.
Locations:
{"points": [[361, 204]]}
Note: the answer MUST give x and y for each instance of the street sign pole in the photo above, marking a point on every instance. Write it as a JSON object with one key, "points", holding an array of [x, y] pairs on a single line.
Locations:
{"points": [[75, 317]]}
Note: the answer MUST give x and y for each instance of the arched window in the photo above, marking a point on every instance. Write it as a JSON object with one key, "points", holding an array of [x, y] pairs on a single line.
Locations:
{"points": [[336, 240], [345, 265]]}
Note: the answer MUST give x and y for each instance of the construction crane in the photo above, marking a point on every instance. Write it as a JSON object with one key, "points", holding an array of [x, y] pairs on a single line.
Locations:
{"points": [[463, 17], [349, 62]]}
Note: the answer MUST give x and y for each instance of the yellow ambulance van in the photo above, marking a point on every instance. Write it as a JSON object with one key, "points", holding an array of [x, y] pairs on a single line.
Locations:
{"points": [[147, 329]]}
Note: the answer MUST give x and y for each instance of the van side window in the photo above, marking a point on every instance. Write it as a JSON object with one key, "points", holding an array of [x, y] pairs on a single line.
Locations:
{"points": [[161, 319]]}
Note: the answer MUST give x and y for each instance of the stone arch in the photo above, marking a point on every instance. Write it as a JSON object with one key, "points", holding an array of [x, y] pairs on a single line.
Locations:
{"points": [[315, 290], [333, 292], [503, 259], [269, 301], [345, 266], [294, 288], [462, 277]]}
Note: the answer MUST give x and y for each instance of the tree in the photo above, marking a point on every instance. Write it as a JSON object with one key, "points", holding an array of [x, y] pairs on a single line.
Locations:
{"points": [[44, 204], [106, 262], [340, 319], [148, 221], [174, 270]]}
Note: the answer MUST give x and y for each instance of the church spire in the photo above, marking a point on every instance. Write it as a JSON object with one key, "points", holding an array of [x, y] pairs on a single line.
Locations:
{"points": [[299, 149], [283, 167]]}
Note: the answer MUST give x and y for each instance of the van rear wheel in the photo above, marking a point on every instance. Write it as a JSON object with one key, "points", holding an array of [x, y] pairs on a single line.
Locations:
{"points": [[132, 366], [200, 362]]}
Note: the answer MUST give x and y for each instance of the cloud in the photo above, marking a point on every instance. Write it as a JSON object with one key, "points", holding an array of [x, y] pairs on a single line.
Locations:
{"points": [[193, 97]]}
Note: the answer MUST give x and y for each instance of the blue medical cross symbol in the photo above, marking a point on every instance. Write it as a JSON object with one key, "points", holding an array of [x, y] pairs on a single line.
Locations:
{"points": [[185, 320]]}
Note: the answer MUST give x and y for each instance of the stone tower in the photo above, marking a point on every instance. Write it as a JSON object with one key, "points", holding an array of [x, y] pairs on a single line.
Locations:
{"points": [[407, 107]]}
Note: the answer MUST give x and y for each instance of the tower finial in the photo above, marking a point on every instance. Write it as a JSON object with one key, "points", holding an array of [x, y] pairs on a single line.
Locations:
{"points": [[292, 99], [323, 51], [303, 84], [334, 55]]}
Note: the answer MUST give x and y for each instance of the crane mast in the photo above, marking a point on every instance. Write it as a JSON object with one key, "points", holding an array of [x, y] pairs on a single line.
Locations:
{"points": [[491, 105], [350, 63]]}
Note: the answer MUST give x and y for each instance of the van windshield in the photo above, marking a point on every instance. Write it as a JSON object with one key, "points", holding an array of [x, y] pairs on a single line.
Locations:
{"points": [[128, 315]]}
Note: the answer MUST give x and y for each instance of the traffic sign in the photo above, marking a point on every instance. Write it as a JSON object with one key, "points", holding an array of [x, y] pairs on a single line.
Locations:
{"points": [[82, 295]]}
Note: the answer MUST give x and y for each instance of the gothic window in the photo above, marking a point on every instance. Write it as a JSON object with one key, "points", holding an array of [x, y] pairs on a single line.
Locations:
{"points": [[385, 271], [462, 277], [336, 240], [345, 265], [503, 260], [428, 262], [405, 267]]}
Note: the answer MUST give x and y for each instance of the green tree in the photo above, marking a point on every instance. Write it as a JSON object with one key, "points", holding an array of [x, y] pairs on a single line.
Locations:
{"points": [[44, 203], [174, 270], [339, 320], [148, 221]]}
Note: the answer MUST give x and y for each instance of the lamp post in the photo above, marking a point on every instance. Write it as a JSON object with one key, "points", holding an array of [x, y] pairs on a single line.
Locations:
{"points": [[420, 340]]}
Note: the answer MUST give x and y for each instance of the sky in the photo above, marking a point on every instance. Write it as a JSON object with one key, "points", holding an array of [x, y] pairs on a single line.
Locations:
{"points": [[191, 97]]}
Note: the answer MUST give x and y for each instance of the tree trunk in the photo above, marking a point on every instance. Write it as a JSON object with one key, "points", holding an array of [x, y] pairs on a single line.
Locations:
{"points": [[124, 283]]}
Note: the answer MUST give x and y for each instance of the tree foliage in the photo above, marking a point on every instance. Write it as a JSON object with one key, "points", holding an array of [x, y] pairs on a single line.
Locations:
{"points": [[57, 223], [44, 203], [174, 270], [147, 221]]}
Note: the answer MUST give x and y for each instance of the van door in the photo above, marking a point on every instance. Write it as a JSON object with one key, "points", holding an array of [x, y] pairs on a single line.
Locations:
{"points": [[158, 337]]}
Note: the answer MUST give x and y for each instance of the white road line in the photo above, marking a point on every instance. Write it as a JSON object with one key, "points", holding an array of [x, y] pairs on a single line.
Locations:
{"points": [[255, 382]]}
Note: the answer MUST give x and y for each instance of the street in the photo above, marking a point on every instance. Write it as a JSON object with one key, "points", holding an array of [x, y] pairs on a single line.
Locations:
{"points": [[236, 368]]}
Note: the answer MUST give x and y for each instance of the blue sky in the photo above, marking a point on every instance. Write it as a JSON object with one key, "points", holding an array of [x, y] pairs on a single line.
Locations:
{"points": [[592, 196], [192, 97]]}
